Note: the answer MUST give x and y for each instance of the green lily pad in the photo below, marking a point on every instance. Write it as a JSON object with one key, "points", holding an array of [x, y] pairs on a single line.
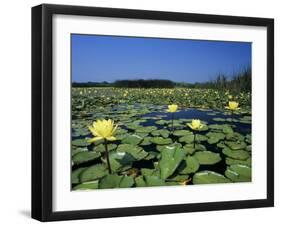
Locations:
{"points": [[207, 157], [150, 172], [115, 181], [204, 128], [230, 161], [169, 162], [119, 161], [133, 126], [161, 140], [81, 132], [221, 144], [209, 177], [101, 148], [120, 136], [235, 137], [152, 155], [236, 154], [80, 143], [132, 139], [200, 137], [161, 122], [248, 138], [121, 131], [191, 165], [75, 179], [213, 140], [178, 178], [168, 147], [161, 132], [85, 156], [219, 119], [146, 129], [149, 181], [239, 173], [214, 137], [236, 145], [248, 148], [216, 127], [87, 185], [187, 138], [189, 149], [93, 173], [145, 141], [180, 133], [137, 152], [227, 129], [75, 150]]}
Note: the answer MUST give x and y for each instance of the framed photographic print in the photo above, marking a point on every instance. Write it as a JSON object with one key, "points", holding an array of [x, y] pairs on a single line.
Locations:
{"points": [[146, 112]]}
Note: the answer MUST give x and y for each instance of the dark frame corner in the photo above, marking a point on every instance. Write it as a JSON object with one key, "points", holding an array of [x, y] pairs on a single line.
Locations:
{"points": [[42, 111]]}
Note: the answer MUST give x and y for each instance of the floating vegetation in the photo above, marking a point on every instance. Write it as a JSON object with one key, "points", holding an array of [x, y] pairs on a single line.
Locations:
{"points": [[134, 137]]}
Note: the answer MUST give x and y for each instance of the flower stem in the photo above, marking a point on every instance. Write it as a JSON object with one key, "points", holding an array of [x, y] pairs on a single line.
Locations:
{"points": [[194, 140], [107, 156], [172, 123]]}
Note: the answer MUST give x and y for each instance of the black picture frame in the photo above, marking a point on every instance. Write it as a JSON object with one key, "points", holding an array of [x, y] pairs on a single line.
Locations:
{"points": [[42, 111]]}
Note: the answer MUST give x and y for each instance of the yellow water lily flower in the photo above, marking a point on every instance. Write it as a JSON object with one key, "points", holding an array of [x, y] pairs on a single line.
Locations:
{"points": [[103, 129], [232, 105], [195, 124], [172, 108]]}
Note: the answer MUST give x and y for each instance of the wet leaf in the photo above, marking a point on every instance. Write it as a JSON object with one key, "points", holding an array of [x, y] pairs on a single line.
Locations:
{"points": [[80, 142], [137, 152], [115, 181], [87, 185], [181, 133], [236, 154], [191, 165], [149, 181], [85, 156], [169, 162], [168, 147], [236, 145], [75, 175], [209, 177], [101, 148], [162, 132], [239, 173], [161, 140], [187, 139], [207, 157], [93, 172], [230, 161], [132, 139]]}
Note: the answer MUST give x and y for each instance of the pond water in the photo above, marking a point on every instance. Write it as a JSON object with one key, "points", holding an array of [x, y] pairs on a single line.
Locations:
{"points": [[204, 115]]}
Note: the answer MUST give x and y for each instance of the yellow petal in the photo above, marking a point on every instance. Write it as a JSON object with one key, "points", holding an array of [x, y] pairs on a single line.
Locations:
{"points": [[113, 131], [112, 138], [94, 139], [190, 125]]}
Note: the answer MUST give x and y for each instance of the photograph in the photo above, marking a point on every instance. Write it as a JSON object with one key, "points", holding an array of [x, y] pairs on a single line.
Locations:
{"points": [[153, 111]]}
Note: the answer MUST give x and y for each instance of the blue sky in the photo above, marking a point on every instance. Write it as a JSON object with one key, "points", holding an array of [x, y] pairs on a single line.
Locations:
{"points": [[99, 58]]}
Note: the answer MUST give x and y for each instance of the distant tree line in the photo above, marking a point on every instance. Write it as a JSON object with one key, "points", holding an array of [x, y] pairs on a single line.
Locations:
{"points": [[91, 84], [141, 83], [239, 82]]}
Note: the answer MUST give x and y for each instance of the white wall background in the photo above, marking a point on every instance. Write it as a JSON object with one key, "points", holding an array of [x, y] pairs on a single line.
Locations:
{"points": [[15, 113]]}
